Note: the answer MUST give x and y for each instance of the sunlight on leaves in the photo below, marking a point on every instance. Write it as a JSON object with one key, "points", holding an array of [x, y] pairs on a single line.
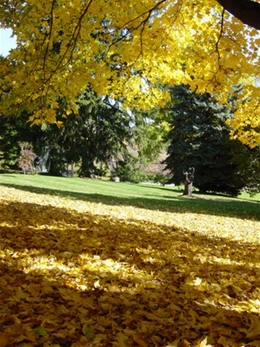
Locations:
{"points": [[76, 273]]}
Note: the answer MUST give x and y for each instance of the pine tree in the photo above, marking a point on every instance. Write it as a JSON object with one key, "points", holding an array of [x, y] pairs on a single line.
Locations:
{"points": [[199, 138]]}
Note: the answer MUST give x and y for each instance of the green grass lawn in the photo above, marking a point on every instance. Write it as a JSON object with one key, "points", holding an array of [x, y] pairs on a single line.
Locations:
{"points": [[164, 198]]}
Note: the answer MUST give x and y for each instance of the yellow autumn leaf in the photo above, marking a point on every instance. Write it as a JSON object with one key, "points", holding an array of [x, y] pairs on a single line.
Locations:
{"points": [[41, 331], [204, 343], [88, 332], [139, 340]]}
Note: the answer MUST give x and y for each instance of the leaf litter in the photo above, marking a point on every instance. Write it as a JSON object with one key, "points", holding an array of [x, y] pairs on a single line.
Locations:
{"points": [[81, 274]]}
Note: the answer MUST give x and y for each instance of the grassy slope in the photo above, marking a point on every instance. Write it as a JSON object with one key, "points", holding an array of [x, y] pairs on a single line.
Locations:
{"points": [[167, 198]]}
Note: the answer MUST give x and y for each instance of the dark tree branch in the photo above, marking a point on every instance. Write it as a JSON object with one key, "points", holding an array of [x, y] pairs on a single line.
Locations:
{"points": [[50, 35], [245, 10], [219, 38]]}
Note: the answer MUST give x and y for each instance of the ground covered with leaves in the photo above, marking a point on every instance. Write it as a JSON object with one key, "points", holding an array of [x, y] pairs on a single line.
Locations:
{"points": [[80, 274]]}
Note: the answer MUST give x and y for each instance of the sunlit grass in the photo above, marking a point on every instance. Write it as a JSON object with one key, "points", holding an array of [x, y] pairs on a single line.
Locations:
{"points": [[140, 195]]}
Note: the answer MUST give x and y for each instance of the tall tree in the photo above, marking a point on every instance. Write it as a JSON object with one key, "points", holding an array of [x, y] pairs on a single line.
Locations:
{"points": [[97, 133], [199, 138], [148, 132], [101, 133], [122, 49]]}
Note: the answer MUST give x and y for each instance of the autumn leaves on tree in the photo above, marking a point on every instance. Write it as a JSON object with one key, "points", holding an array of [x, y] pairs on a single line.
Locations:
{"points": [[123, 49]]}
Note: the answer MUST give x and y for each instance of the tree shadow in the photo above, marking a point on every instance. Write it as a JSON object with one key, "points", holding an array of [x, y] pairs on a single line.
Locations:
{"points": [[101, 281], [236, 208]]}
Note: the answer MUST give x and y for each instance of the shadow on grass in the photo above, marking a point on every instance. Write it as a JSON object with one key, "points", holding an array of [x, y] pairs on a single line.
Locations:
{"points": [[176, 203], [87, 278]]}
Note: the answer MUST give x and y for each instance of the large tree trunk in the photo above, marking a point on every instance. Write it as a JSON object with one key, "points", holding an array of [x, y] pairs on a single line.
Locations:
{"points": [[87, 167], [245, 10]]}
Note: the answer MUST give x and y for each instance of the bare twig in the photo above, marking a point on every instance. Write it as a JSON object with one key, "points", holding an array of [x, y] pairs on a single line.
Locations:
{"points": [[219, 37], [50, 34]]}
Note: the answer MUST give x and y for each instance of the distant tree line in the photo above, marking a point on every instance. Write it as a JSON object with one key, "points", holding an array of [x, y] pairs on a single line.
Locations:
{"points": [[103, 139], [99, 139]]}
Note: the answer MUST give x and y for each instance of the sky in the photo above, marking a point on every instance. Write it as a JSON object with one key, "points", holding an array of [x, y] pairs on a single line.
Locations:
{"points": [[6, 42]]}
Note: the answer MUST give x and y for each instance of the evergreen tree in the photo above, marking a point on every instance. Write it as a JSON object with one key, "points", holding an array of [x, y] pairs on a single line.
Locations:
{"points": [[199, 138], [101, 134], [98, 136]]}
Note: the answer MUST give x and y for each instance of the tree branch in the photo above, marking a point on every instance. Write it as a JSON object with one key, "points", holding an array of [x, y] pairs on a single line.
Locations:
{"points": [[246, 11]]}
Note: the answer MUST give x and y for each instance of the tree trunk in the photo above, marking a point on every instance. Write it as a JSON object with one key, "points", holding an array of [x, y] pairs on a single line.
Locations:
{"points": [[87, 167], [245, 10]]}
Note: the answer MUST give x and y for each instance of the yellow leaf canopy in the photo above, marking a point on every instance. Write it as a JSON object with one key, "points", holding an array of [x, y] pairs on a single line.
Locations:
{"points": [[123, 48]]}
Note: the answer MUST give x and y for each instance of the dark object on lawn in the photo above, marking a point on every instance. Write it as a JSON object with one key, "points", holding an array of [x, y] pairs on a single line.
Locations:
{"points": [[189, 178]]}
